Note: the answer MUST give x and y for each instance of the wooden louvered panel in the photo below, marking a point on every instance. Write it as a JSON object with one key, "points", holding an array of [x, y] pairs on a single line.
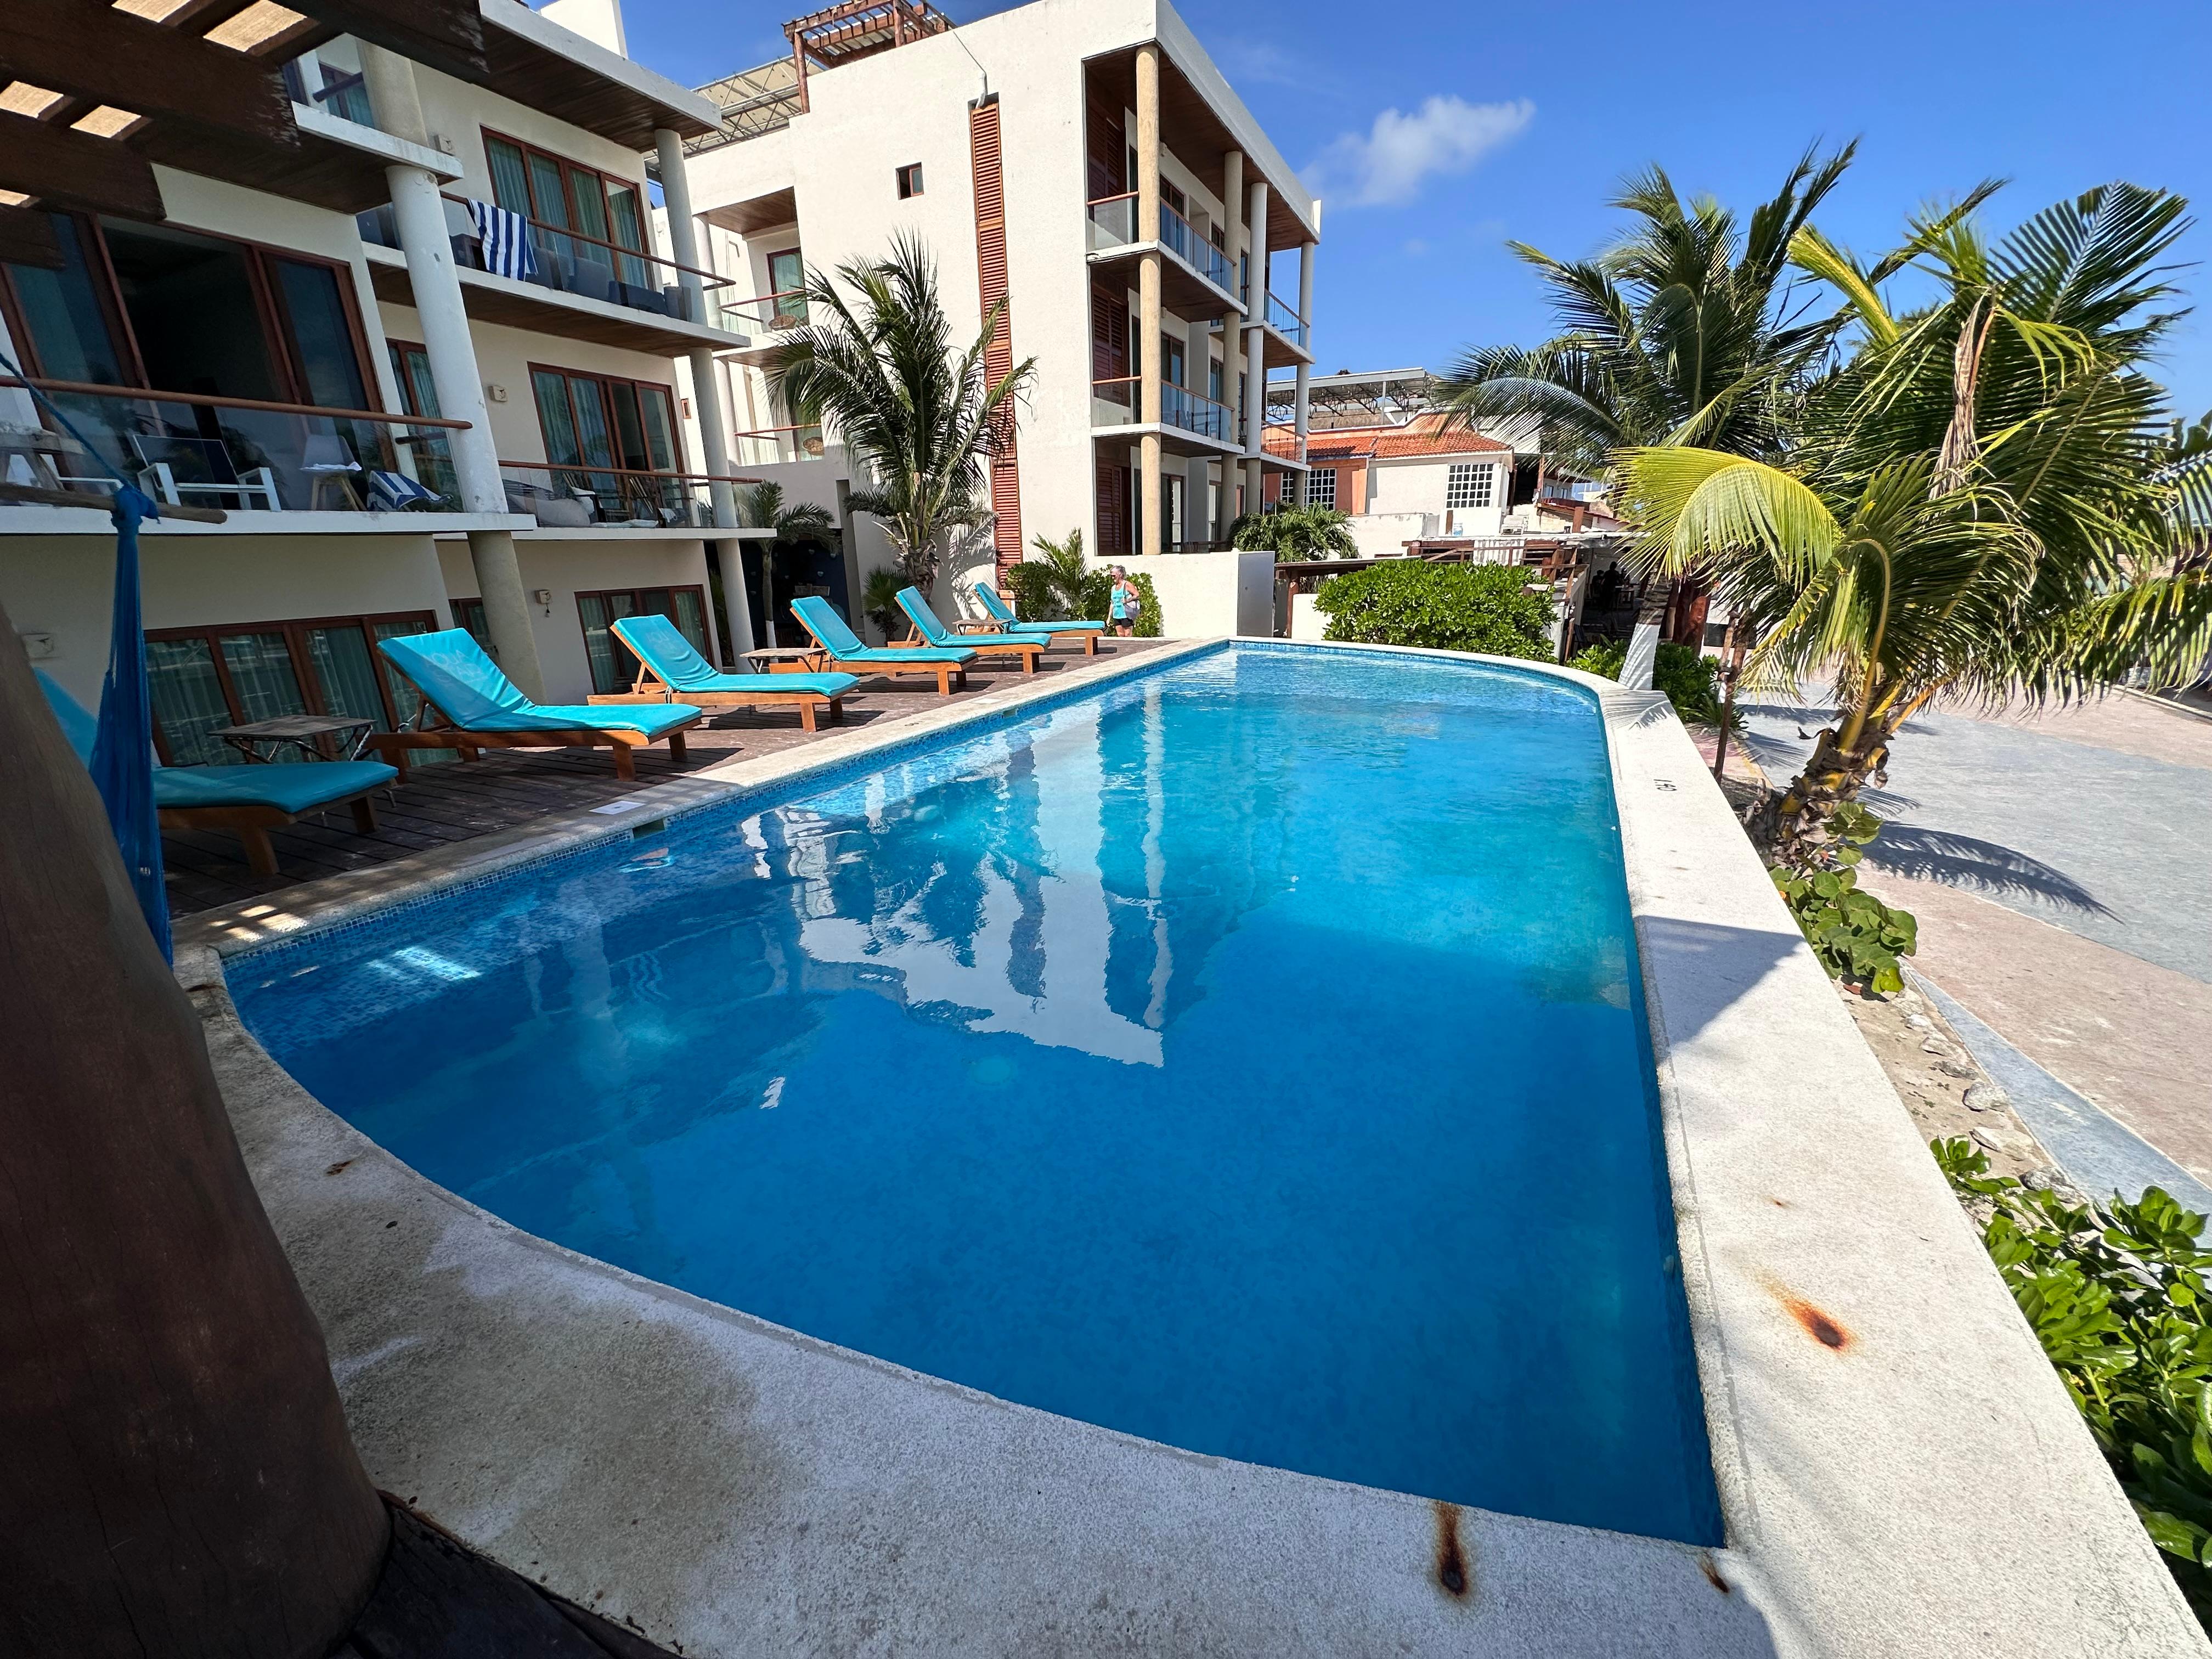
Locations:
{"points": [[1108, 150], [1113, 511], [987, 159], [1109, 335]]}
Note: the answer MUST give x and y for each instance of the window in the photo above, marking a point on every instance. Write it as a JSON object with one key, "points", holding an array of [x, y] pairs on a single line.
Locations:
{"points": [[1470, 484], [1321, 487], [205, 678], [418, 395], [613, 667], [603, 426], [787, 276], [1171, 359], [1213, 381], [909, 180], [563, 195]]}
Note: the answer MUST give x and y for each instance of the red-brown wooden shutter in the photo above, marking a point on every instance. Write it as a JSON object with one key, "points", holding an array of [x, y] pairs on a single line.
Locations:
{"points": [[1109, 335], [999, 355], [1107, 150], [1113, 511]]}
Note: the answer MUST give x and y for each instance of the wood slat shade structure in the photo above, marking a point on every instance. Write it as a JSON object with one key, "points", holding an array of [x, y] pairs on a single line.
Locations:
{"points": [[71, 169], [1188, 127], [573, 91], [447, 34], [988, 163], [27, 238], [180, 1475], [857, 29], [92, 50]]}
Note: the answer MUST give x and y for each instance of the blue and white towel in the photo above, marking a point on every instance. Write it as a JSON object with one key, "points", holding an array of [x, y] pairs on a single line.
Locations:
{"points": [[394, 492], [505, 237]]}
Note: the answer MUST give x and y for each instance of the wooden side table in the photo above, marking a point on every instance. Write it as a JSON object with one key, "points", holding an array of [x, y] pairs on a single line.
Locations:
{"points": [[315, 736]]}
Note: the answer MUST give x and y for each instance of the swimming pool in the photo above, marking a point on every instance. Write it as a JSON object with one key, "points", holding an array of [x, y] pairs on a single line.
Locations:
{"points": [[1248, 1056]]}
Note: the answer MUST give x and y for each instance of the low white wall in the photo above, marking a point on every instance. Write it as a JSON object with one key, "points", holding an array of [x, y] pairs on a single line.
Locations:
{"points": [[1307, 622], [1205, 594], [63, 586]]}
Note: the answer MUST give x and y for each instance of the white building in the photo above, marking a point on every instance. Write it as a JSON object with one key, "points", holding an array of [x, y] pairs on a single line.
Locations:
{"points": [[1084, 161], [274, 325]]}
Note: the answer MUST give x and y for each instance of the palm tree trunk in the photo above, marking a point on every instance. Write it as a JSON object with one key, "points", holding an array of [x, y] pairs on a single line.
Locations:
{"points": [[179, 1476], [1844, 759], [1643, 642]]}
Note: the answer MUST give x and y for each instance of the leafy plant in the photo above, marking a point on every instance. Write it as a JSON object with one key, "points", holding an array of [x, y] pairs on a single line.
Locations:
{"points": [[1857, 938], [1489, 608], [1147, 621], [2115, 1294], [879, 600], [1055, 583], [1689, 677], [1294, 534], [881, 370]]}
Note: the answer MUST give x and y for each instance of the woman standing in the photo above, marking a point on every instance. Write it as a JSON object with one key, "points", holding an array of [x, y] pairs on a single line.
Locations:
{"points": [[1121, 608]]}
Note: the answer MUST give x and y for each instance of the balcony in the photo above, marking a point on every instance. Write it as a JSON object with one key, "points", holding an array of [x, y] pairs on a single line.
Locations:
{"points": [[764, 322], [629, 297], [587, 501], [1286, 340], [1195, 278], [777, 445], [332, 468], [1189, 424]]}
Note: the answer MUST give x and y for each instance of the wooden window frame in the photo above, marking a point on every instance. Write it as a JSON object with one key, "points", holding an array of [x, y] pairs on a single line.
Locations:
{"points": [[675, 416], [569, 188], [1480, 477], [908, 179], [706, 621], [295, 630], [268, 305]]}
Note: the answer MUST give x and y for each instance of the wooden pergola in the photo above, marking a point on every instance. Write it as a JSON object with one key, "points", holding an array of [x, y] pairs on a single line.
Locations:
{"points": [[857, 29]]}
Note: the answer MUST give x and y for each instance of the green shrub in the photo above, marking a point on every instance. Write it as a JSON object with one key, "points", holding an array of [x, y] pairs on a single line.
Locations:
{"points": [[1689, 677], [1488, 608], [2115, 1294], [1857, 938], [1049, 590]]}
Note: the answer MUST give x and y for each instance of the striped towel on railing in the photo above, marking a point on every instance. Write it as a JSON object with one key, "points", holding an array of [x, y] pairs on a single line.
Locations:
{"points": [[505, 237]]}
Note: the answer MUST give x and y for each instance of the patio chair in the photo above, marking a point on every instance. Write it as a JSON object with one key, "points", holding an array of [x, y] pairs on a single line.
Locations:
{"points": [[331, 465], [1002, 614], [475, 707], [669, 666], [841, 649], [208, 467], [926, 626], [248, 800]]}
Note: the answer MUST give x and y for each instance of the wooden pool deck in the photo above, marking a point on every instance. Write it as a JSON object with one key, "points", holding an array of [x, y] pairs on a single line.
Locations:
{"points": [[458, 801]]}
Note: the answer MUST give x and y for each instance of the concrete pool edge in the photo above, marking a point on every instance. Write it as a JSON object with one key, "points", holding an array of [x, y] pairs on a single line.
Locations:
{"points": [[1921, 1487]]}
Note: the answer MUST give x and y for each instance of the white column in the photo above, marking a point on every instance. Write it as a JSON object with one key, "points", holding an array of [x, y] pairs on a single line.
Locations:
{"points": [[1232, 332], [1151, 493], [1255, 347], [420, 213], [1305, 370]]}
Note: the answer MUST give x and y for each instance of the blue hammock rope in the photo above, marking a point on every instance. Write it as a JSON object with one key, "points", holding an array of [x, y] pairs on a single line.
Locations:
{"points": [[122, 753]]}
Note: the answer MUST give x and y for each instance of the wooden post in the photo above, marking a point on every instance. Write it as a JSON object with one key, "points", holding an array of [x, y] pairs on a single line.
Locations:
{"points": [[1151, 495], [178, 1474]]}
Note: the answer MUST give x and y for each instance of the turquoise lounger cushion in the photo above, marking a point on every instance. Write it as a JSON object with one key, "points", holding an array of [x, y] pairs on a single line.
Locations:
{"points": [[455, 673], [917, 609], [1002, 614], [820, 618], [288, 787], [664, 649]]}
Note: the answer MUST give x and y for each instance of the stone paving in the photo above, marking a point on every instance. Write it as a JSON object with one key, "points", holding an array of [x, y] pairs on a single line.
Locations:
{"points": [[2056, 862]]}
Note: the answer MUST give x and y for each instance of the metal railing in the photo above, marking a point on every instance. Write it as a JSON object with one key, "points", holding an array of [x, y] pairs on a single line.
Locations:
{"points": [[245, 454], [1113, 223], [565, 260], [562, 496], [771, 446], [1119, 402], [1286, 322], [770, 314]]}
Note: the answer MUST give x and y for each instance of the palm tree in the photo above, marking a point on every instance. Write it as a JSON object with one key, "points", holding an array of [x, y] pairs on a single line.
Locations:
{"points": [[882, 371], [762, 507], [1683, 331], [1295, 534], [1979, 504]]}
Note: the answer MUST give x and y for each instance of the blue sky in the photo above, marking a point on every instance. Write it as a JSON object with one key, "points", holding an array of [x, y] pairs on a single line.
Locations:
{"points": [[1548, 103]]}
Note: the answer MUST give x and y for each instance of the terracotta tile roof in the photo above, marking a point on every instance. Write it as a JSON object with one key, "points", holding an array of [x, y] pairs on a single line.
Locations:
{"points": [[1423, 436]]}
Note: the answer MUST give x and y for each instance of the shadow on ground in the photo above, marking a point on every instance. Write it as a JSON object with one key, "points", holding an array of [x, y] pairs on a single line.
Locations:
{"points": [[1965, 861]]}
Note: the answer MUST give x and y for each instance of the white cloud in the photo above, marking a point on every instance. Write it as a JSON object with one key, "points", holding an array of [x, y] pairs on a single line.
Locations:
{"points": [[1389, 164]]}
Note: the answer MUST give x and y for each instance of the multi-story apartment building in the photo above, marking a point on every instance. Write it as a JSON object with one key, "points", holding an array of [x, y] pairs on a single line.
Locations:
{"points": [[415, 340], [1084, 162]]}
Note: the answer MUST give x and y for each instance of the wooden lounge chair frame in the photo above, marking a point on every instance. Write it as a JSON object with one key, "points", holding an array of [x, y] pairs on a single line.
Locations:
{"points": [[650, 688], [392, 746], [1027, 650], [251, 824]]}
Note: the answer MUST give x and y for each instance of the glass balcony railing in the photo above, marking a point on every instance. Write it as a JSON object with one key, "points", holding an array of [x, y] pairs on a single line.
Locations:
{"points": [[1120, 403], [576, 496], [1286, 322], [548, 256], [776, 444], [1112, 221], [240, 455], [772, 313]]}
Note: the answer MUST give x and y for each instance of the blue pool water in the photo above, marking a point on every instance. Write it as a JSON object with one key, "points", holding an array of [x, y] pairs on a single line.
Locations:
{"points": [[1249, 1057]]}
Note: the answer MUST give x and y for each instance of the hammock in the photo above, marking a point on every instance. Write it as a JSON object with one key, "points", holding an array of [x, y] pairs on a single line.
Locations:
{"points": [[122, 753]]}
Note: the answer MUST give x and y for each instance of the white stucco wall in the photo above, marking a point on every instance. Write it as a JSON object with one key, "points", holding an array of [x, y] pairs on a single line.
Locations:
{"points": [[1205, 594], [1396, 487]]}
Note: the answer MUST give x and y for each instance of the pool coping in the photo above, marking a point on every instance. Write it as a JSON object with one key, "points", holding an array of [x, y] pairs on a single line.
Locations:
{"points": [[1900, 1469]]}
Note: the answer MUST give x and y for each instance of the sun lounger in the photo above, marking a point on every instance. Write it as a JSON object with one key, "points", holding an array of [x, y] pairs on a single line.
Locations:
{"points": [[1003, 615], [668, 666], [926, 626], [843, 652], [470, 706], [249, 800]]}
